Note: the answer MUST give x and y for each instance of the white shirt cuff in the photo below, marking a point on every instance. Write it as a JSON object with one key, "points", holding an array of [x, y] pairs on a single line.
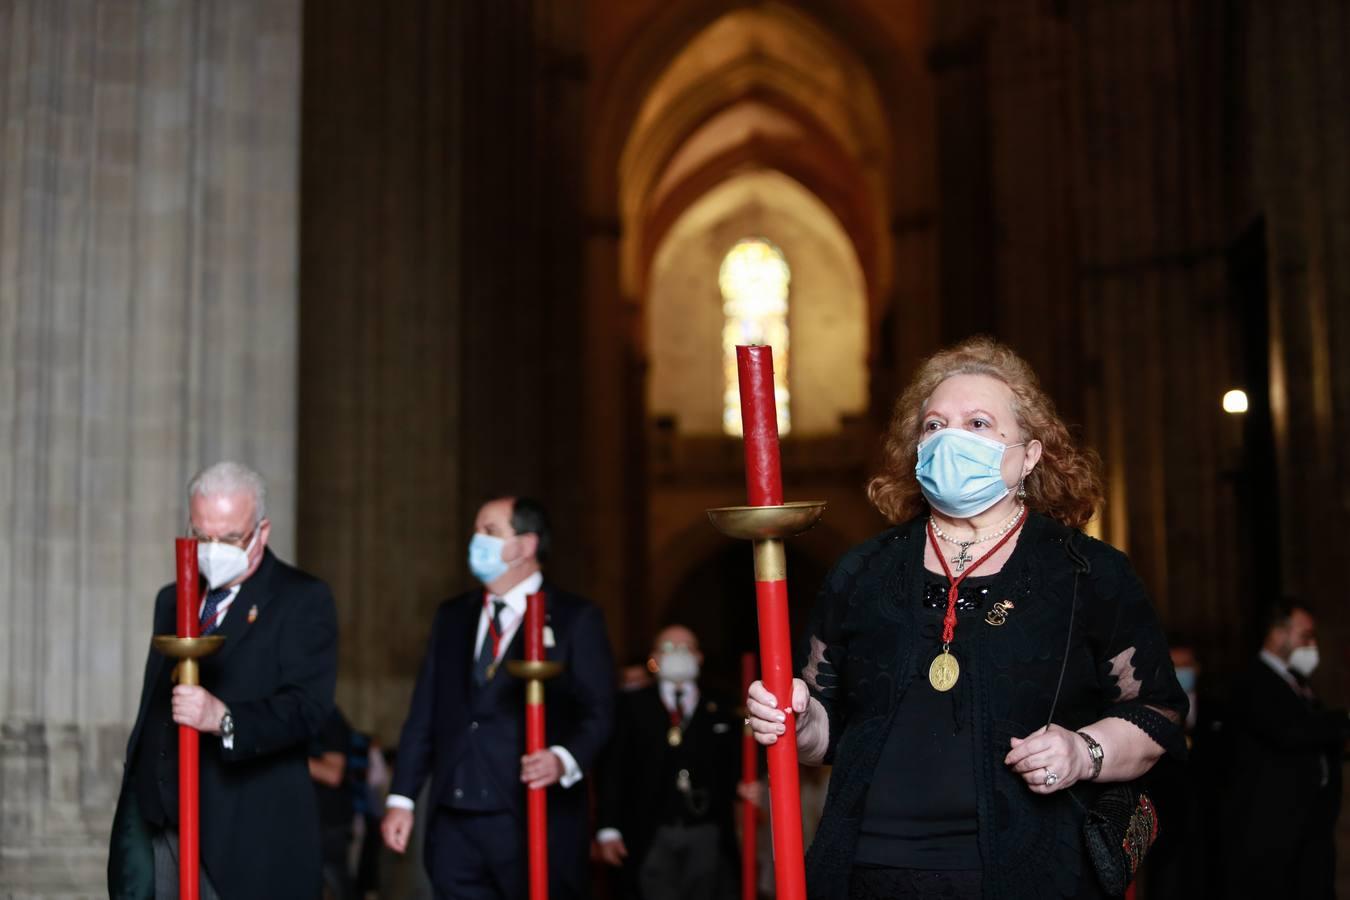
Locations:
{"points": [[398, 801], [571, 771], [605, 835]]}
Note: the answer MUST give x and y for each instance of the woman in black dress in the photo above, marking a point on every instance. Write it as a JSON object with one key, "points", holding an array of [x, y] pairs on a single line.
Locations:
{"points": [[977, 674]]}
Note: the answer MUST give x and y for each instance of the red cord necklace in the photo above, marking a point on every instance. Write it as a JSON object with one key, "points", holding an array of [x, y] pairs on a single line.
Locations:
{"points": [[944, 671]]}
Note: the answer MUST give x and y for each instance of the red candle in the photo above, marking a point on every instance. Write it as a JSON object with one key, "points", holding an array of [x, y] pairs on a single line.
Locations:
{"points": [[186, 553], [534, 628], [189, 850], [764, 484], [536, 798], [759, 421]]}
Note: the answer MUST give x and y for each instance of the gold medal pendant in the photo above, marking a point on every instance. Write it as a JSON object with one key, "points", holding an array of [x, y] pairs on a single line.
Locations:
{"points": [[674, 737], [944, 671]]}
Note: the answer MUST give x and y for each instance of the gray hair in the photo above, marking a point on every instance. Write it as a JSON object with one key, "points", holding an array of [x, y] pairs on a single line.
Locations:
{"points": [[231, 478]]}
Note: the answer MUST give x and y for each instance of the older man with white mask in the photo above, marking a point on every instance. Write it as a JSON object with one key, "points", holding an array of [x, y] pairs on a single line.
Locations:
{"points": [[669, 781], [262, 698]]}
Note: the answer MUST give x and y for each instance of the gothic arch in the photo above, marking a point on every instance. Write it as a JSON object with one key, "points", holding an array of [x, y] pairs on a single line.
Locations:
{"points": [[782, 58]]}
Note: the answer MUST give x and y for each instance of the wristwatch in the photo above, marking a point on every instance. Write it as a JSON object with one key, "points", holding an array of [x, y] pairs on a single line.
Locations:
{"points": [[1095, 751], [227, 726]]}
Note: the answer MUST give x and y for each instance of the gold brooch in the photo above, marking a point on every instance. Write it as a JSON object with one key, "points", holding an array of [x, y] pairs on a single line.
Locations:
{"points": [[999, 614]]}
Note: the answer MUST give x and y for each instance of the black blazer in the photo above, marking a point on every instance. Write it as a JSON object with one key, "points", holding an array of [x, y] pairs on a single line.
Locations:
{"points": [[260, 828], [640, 768], [579, 704], [1282, 744]]}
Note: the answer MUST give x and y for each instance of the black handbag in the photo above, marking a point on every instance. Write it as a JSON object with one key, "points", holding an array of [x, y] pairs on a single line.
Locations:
{"points": [[1120, 827], [1122, 823]]}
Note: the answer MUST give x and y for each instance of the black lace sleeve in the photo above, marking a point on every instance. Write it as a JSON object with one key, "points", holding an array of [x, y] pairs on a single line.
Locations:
{"points": [[1134, 667], [822, 651]]}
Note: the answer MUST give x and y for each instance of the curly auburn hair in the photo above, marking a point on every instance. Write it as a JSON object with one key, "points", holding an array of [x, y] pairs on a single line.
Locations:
{"points": [[1065, 485]]}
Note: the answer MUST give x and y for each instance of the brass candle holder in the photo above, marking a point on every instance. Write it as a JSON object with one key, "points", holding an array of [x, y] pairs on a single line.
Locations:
{"points": [[766, 527], [187, 650], [535, 673]]}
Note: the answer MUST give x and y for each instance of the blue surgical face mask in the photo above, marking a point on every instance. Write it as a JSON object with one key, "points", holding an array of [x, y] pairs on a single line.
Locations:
{"points": [[960, 472], [1186, 678], [485, 558]]}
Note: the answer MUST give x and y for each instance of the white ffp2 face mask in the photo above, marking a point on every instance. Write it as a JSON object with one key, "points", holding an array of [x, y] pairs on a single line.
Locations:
{"points": [[1304, 660], [678, 666], [221, 563]]}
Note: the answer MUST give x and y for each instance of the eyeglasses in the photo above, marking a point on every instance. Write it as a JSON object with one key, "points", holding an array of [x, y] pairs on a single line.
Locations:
{"points": [[671, 646], [233, 540]]}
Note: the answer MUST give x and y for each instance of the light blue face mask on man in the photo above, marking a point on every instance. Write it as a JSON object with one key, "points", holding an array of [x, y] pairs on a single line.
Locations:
{"points": [[485, 558], [960, 472]]}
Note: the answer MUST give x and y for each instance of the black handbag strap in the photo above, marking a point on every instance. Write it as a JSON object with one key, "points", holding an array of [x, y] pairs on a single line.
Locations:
{"points": [[1080, 567]]}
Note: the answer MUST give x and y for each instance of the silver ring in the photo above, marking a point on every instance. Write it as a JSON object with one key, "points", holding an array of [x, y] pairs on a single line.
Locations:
{"points": [[747, 720], [1050, 778]]}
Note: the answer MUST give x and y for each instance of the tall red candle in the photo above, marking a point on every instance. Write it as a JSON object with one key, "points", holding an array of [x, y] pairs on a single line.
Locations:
{"points": [[764, 483], [759, 421], [189, 809], [185, 550], [536, 799]]}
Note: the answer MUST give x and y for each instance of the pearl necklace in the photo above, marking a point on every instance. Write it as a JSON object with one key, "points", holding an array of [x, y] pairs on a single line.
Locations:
{"points": [[963, 559]]}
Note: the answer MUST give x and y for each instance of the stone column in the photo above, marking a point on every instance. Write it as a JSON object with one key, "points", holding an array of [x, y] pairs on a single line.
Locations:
{"points": [[147, 326], [1298, 82]]}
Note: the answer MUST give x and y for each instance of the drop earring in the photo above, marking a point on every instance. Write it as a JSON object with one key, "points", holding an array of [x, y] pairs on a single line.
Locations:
{"points": [[1022, 488]]}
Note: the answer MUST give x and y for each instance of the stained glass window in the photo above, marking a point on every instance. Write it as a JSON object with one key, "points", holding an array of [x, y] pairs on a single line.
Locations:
{"points": [[754, 280]]}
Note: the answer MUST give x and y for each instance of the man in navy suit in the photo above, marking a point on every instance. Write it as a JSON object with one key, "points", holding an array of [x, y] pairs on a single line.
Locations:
{"points": [[465, 728], [263, 697]]}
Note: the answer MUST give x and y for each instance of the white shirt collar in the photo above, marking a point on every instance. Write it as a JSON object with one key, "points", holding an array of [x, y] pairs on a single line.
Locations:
{"points": [[512, 615], [688, 699]]}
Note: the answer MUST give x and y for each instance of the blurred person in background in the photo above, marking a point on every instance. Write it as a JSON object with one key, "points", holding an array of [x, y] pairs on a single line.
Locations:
{"points": [[667, 791], [1287, 751]]}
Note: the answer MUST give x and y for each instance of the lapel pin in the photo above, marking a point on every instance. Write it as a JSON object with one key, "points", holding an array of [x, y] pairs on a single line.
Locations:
{"points": [[999, 614], [548, 636], [253, 614]]}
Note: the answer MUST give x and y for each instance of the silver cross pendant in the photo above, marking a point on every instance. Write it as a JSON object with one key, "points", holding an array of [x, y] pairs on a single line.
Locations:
{"points": [[963, 559]]}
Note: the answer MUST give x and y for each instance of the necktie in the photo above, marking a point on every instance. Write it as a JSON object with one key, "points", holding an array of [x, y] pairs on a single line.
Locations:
{"points": [[210, 621], [1304, 689], [487, 653], [677, 714]]}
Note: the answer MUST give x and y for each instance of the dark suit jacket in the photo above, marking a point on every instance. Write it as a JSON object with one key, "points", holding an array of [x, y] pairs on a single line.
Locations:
{"points": [[1279, 812], [640, 768], [260, 828], [579, 711]]}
